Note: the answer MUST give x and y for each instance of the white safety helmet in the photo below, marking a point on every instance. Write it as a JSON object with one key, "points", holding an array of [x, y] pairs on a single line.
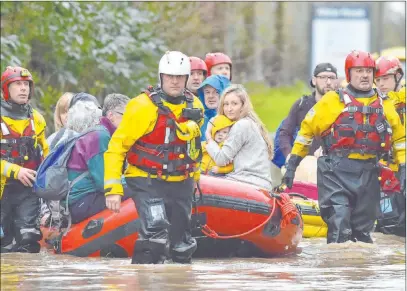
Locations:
{"points": [[174, 63]]}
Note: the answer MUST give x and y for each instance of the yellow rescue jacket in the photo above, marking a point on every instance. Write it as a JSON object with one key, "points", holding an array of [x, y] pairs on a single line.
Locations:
{"points": [[11, 170], [398, 99], [208, 163], [219, 122], [326, 111], [139, 119]]}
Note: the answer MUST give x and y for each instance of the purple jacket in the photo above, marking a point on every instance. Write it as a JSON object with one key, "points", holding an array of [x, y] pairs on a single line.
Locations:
{"points": [[87, 155]]}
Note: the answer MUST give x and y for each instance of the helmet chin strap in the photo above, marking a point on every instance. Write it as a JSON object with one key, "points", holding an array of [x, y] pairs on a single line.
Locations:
{"points": [[398, 81]]}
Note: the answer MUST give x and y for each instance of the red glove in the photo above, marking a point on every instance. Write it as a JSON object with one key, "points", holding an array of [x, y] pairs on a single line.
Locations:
{"points": [[388, 181]]}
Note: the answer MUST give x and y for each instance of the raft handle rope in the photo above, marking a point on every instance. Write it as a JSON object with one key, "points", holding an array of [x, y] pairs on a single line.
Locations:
{"points": [[206, 230], [288, 211], [298, 195]]}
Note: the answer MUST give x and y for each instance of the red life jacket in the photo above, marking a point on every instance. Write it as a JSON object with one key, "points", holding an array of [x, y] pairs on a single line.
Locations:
{"points": [[161, 152], [401, 110], [359, 129], [20, 149]]}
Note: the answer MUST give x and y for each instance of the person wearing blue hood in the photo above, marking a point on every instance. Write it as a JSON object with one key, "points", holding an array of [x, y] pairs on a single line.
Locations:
{"points": [[209, 93]]}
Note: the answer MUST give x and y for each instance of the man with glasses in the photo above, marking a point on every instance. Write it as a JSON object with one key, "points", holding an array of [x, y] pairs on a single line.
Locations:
{"points": [[358, 126], [324, 80], [113, 107]]}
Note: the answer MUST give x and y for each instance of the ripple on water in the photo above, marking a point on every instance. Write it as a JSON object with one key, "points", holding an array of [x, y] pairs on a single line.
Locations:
{"points": [[348, 266]]}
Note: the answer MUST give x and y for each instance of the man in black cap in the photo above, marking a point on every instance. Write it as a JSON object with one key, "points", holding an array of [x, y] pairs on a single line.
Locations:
{"points": [[324, 80]]}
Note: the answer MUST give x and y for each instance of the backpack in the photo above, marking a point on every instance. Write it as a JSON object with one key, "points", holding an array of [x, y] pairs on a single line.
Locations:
{"points": [[52, 182]]}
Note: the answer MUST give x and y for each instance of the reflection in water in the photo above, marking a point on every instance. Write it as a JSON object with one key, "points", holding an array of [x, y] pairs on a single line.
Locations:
{"points": [[349, 266]]}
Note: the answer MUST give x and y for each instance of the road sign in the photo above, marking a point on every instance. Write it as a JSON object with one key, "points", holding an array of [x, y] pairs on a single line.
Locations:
{"points": [[337, 30]]}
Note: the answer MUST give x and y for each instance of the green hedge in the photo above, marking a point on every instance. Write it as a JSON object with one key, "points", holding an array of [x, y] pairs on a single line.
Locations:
{"points": [[273, 104]]}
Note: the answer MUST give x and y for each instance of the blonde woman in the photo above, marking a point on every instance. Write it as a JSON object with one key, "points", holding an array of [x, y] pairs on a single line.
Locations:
{"points": [[60, 119], [248, 144]]}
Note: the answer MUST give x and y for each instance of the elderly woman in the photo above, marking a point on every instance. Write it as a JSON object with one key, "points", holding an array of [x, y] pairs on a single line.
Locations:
{"points": [[65, 102], [87, 196], [248, 144], [78, 121]]}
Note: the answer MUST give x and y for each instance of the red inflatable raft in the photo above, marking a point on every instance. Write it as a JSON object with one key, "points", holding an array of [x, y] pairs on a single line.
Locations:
{"points": [[309, 190], [224, 211]]}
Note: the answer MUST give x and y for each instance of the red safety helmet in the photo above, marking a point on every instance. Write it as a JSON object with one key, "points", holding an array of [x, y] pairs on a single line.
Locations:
{"points": [[213, 59], [388, 66], [198, 64], [358, 59], [13, 74]]}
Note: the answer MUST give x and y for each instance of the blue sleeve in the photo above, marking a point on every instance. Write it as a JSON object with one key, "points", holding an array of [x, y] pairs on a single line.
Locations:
{"points": [[203, 129]]}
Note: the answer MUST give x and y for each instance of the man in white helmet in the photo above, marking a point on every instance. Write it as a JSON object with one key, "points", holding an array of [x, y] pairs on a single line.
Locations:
{"points": [[160, 137]]}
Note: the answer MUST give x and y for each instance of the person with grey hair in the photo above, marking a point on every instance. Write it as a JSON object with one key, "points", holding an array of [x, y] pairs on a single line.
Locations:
{"points": [[113, 107], [67, 101], [87, 197], [82, 116], [83, 112]]}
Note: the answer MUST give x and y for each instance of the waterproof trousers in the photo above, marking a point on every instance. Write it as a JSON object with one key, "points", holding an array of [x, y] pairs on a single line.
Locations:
{"points": [[349, 197], [164, 210], [20, 210], [392, 219]]}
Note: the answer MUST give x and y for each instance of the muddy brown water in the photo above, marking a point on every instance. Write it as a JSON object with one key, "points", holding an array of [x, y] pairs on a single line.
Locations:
{"points": [[318, 266]]}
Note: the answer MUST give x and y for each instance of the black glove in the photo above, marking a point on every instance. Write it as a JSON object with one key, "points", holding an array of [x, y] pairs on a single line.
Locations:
{"points": [[291, 167], [402, 178]]}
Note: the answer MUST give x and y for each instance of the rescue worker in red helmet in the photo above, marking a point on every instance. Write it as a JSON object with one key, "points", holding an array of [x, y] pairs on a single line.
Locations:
{"points": [[160, 136], [357, 126], [219, 64], [23, 146], [199, 71], [389, 74]]}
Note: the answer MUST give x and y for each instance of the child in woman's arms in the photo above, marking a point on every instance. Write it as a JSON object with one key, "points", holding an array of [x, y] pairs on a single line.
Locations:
{"points": [[220, 130]]}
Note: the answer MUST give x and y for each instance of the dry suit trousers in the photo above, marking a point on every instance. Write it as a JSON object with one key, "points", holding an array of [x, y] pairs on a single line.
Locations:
{"points": [[349, 197], [20, 210], [164, 210]]}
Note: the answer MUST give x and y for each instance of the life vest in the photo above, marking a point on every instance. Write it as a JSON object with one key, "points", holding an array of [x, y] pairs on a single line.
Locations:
{"points": [[401, 110], [359, 129], [20, 149], [161, 152]]}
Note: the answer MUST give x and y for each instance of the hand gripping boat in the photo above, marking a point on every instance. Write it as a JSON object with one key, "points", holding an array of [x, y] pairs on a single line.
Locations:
{"points": [[223, 210]]}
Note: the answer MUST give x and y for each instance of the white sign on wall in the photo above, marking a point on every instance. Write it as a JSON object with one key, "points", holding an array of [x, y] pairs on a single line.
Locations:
{"points": [[336, 31]]}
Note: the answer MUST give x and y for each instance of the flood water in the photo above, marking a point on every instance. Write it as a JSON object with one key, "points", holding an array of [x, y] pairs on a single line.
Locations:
{"points": [[349, 266]]}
